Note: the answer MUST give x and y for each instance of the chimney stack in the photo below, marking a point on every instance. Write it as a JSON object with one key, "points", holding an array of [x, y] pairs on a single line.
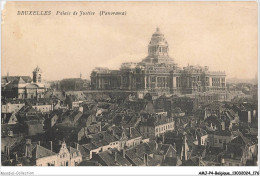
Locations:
{"points": [[163, 139], [28, 141], [26, 150], [7, 150], [174, 145], [28, 147], [51, 145], [130, 131], [81, 109], [226, 147], [223, 126], [123, 152], [115, 154], [145, 159]]}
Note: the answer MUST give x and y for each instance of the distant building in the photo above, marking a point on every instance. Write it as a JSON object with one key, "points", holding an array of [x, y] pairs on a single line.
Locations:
{"points": [[158, 73], [13, 106], [22, 88], [155, 126], [74, 84]]}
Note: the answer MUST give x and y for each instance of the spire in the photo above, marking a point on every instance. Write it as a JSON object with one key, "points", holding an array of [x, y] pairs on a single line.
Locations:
{"points": [[157, 29]]}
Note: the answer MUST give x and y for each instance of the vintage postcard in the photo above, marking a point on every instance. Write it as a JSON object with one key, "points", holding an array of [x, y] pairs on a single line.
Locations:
{"points": [[166, 83]]}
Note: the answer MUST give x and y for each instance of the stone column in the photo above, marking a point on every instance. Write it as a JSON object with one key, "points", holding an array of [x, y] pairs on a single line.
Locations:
{"points": [[148, 86], [156, 82], [174, 82], [121, 85], [130, 81], [145, 79], [210, 81]]}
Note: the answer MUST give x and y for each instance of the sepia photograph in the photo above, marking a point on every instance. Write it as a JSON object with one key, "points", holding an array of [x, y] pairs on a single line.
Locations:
{"points": [[143, 83]]}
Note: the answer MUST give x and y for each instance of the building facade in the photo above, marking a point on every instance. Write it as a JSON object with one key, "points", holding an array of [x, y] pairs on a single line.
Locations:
{"points": [[21, 88], [158, 73]]}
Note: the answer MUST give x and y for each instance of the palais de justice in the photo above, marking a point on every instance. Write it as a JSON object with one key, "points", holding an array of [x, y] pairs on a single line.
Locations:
{"points": [[158, 73]]}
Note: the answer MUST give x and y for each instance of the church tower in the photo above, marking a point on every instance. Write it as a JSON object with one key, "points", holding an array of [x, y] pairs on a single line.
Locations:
{"points": [[37, 75]]}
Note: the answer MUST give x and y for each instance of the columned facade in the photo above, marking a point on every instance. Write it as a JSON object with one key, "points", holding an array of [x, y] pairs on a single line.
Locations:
{"points": [[158, 73]]}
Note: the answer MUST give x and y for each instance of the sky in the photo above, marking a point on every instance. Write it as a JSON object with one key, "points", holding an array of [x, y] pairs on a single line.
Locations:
{"points": [[221, 35]]}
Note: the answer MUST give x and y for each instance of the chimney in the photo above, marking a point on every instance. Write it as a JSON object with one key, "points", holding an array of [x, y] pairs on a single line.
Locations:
{"points": [[16, 157], [156, 145], [145, 159], [130, 131], [39, 143], [222, 161], [163, 139], [77, 146], [226, 147], [4, 118], [114, 133], [115, 153], [123, 152], [174, 145], [7, 150], [28, 141], [249, 117], [81, 109], [51, 145], [26, 150], [223, 126]]}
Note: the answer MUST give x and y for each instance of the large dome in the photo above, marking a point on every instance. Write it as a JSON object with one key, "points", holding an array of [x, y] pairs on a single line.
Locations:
{"points": [[158, 49], [158, 38]]}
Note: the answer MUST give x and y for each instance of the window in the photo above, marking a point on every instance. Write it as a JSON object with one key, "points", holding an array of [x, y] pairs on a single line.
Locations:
{"points": [[220, 141]]}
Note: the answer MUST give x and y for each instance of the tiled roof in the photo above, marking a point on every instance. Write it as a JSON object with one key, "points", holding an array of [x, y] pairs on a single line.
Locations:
{"points": [[88, 163], [136, 154], [138, 161], [89, 146], [7, 116], [113, 158], [41, 152], [102, 138], [74, 152], [169, 162], [163, 148]]}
